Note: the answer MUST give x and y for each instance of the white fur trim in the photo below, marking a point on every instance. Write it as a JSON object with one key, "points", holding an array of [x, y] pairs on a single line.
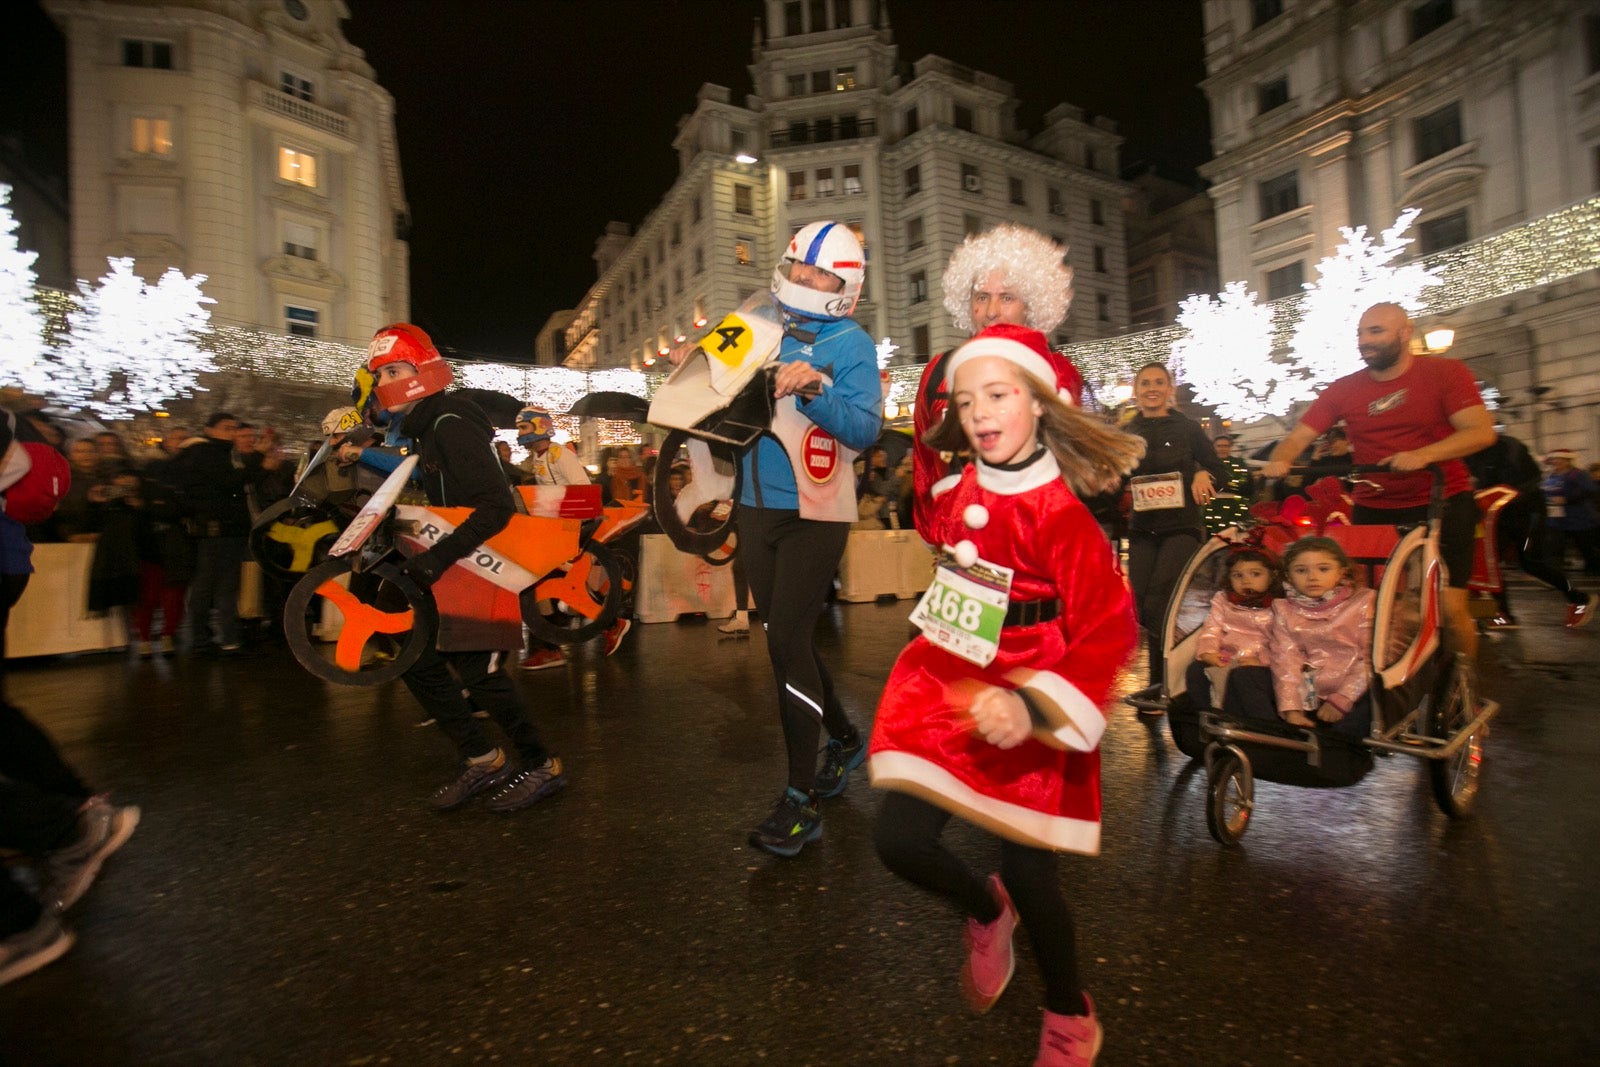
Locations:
{"points": [[965, 552], [975, 516], [944, 485], [1075, 722], [1041, 471], [1000, 348], [913, 774]]}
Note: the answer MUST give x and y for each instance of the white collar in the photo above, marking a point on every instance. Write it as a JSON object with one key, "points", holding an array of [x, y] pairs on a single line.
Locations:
{"points": [[1012, 481]]}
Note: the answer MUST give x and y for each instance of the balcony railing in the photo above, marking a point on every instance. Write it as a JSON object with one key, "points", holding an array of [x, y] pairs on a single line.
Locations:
{"points": [[824, 131], [293, 107]]}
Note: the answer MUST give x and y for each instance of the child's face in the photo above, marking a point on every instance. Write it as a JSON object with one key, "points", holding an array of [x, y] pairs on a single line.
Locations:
{"points": [[1249, 577], [1315, 573], [998, 413]]}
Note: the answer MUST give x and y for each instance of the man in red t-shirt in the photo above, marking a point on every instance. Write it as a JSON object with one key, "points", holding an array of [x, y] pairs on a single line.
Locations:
{"points": [[1407, 412]]}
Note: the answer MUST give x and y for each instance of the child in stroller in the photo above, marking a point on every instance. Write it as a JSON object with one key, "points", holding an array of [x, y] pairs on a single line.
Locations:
{"points": [[1233, 639]]}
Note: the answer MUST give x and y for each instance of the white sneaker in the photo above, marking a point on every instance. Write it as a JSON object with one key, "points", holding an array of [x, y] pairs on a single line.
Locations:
{"points": [[739, 623]]}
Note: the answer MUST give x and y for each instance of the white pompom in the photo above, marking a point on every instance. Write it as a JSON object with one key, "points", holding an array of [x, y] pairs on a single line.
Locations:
{"points": [[976, 516], [966, 554]]}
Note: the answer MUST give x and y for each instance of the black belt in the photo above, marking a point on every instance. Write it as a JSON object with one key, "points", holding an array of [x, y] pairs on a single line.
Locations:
{"points": [[1031, 612]]}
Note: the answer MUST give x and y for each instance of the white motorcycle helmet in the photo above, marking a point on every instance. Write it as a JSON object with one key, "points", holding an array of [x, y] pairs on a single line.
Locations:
{"points": [[829, 246]]}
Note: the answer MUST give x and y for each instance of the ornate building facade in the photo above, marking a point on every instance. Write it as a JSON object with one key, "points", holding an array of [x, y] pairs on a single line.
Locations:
{"points": [[247, 141]]}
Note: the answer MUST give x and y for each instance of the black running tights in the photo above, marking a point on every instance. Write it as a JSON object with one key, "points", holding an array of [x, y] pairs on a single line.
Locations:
{"points": [[907, 837]]}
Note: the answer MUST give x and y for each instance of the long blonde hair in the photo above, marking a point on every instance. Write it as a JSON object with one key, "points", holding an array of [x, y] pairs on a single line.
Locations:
{"points": [[1093, 455]]}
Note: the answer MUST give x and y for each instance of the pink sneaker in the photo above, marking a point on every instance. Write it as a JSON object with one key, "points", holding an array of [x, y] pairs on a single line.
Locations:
{"points": [[614, 636], [990, 961], [1070, 1040]]}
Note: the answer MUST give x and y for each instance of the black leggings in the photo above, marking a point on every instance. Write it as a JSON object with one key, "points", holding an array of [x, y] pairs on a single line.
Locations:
{"points": [[790, 562], [438, 678], [1155, 562], [907, 838]]}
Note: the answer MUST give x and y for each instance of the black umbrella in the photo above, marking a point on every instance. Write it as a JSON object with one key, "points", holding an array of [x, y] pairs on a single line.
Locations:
{"points": [[501, 407], [624, 407]]}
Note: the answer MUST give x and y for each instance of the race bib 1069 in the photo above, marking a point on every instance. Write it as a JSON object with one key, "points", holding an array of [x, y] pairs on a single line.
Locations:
{"points": [[1157, 492]]}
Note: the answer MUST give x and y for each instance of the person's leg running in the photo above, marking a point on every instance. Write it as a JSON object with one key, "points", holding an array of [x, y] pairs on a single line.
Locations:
{"points": [[1031, 877], [907, 837], [439, 692], [28, 754], [484, 676]]}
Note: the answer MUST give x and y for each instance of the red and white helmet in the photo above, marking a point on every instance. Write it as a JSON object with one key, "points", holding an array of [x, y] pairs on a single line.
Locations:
{"points": [[829, 246], [405, 343]]}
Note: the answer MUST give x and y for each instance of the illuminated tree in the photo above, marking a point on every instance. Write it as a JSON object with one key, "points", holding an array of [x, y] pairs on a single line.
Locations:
{"points": [[21, 321], [1225, 354], [134, 346]]}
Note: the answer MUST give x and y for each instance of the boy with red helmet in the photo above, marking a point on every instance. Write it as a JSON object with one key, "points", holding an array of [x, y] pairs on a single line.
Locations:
{"points": [[451, 437]]}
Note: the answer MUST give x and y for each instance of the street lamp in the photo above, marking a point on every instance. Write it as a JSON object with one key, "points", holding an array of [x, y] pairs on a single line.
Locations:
{"points": [[744, 157], [1439, 339]]}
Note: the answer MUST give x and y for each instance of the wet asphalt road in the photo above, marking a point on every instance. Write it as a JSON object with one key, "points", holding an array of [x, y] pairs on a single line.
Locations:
{"points": [[288, 899]]}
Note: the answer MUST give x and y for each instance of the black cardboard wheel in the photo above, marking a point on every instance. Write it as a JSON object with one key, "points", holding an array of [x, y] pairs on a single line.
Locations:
{"points": [[702, 533], [592, 614], [389, 621], [291, 536]]}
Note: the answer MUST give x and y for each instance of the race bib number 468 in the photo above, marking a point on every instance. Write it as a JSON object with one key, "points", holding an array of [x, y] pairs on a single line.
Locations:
{"points": [[963, 610]]}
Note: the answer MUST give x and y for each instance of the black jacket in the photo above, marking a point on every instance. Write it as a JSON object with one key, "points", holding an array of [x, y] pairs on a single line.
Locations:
{"points": [[1174, 443], [213, 489], [459, 469]]}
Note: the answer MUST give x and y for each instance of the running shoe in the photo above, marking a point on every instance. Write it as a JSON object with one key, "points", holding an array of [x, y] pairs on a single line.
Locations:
{"points": [[1503, 622], [473, 779], [738, 625], [543, 658], [838, 760], [794, 822], [1578, 614], [990, 961], [102, 829], [27, 950], [1070, 1040], [530, 786], [615, 635]]}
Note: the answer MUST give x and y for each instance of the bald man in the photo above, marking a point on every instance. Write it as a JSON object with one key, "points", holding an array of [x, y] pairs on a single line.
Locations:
{"points": [[1407, 412]]}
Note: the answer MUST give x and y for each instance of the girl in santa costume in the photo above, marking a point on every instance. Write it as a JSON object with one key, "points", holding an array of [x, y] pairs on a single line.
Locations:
{"points": [[994, 712]]}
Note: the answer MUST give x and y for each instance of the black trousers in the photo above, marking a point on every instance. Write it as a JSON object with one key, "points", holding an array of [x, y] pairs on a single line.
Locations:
{"points": [[438, 678], [790, 563], [907, 837], [1155, 563]]}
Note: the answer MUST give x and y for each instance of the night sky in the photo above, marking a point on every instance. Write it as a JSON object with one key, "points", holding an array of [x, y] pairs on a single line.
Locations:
{"points": [[526, 125]]}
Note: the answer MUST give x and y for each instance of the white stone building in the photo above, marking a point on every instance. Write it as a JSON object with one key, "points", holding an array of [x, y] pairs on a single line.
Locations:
{"points": [[835, 130], [244, 140], [1483, 114]]}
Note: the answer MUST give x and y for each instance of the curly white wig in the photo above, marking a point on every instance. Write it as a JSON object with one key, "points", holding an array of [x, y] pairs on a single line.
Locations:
{"points": [[1031, 262]]}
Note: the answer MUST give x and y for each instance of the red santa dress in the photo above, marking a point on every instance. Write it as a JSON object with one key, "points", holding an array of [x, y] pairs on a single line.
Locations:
{"points": [[1045, 792]]}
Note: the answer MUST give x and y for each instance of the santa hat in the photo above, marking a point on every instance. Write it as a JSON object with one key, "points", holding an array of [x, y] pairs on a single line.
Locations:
{"points": [[1561, 453], [1028, 349]]}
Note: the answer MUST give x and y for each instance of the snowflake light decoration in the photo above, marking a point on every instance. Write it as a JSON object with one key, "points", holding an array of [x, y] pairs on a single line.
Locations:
{"points": [[22, 323], [1225, 354]]}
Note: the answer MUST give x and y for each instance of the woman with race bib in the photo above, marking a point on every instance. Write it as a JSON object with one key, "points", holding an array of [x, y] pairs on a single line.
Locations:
{"points": [[1168, 492]]}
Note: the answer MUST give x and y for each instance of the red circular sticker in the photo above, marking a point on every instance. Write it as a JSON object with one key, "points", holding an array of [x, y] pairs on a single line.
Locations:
{"points": [[819, 452]]}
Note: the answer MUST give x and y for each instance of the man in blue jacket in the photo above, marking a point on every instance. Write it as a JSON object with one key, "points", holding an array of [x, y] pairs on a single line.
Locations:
{"points": [[796, 506]]}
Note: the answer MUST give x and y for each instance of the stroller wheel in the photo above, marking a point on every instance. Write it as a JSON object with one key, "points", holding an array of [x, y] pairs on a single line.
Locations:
{"points": [[1230, 795], [1453, 707]]}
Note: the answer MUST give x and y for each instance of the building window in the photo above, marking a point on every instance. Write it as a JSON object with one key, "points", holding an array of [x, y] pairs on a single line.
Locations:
{"points": [[1280, 194], [661, 251], [1141, 287], [913, 180], [1438, 131], [699, 260], [644, 268], [971, 224], [844, 79], [1264, 11], [738, 141], [296, 86], [677, 281], [791, 19], [150, 136], [677, 234], [154, 55], [1591, 33], [297, 166], [921, 342], [741, 251], [1102, 307], [914, 237], [1274, 94], [822, 129], [1089, 157], [821, 81], [970, 180], [299, 240], [1285, 281], [852, 179], [819, 15], [1446, 231], [1430, 15], [797, 85], [1097, 213], [694, 210], [299, 322], [841, 14], [825, 181], [963, 118], [911, 121], [1018, 192], [849, 127], [1053, 201], [742, 203], [919, 287], [797, 185], [1100, 259]]}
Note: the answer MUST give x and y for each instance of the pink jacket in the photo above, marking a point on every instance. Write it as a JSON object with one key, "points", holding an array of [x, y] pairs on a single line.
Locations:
{"points": [[1333, 637], [1235, 630]]}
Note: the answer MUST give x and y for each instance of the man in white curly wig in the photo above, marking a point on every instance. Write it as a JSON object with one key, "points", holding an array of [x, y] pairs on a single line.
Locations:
{"points": [[1007, 274]]}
